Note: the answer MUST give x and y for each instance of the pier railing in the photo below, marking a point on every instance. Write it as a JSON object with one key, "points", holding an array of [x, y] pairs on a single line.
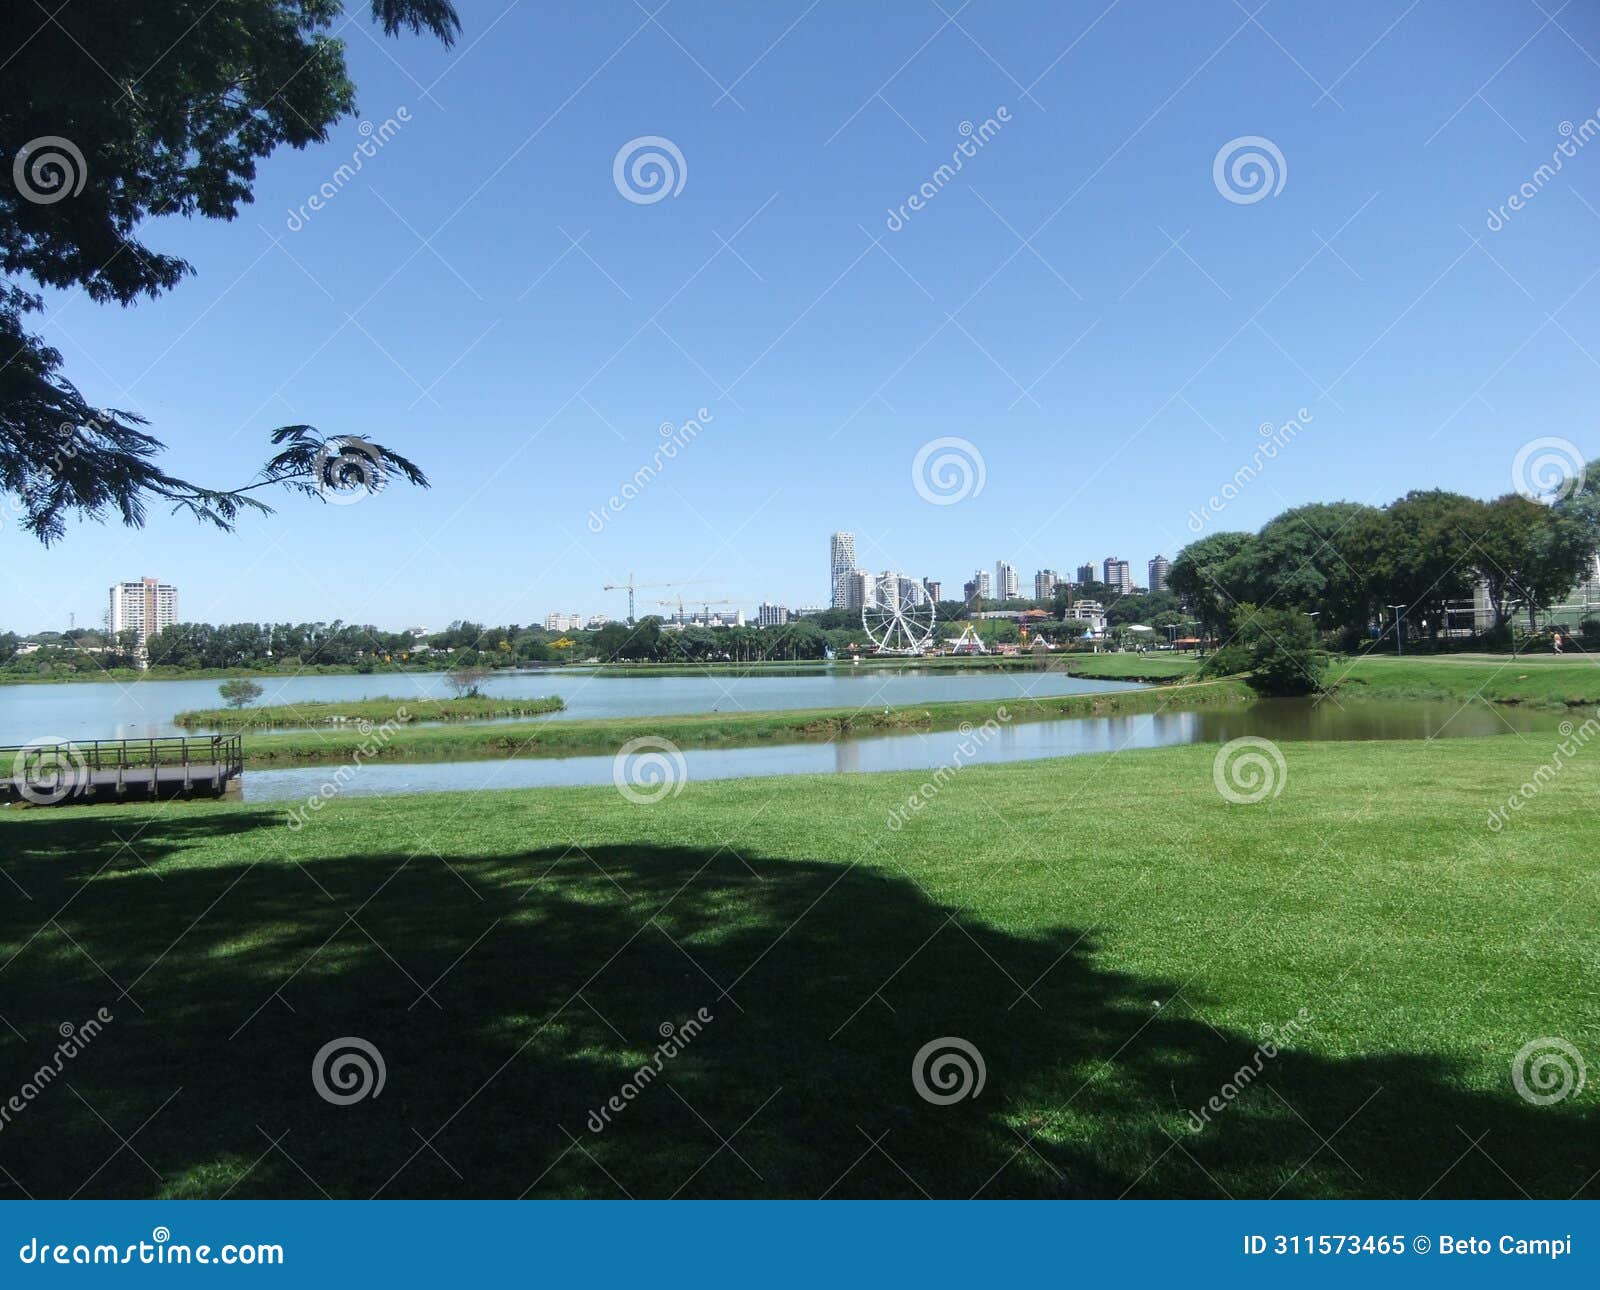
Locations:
{"points": [[57, 770]]}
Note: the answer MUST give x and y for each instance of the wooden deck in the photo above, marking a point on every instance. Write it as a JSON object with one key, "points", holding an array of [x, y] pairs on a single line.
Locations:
{"points": [[68, 773]]}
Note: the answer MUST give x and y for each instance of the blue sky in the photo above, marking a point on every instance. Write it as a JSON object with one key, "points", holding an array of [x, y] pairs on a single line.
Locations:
{"points": [[1081, 302]]}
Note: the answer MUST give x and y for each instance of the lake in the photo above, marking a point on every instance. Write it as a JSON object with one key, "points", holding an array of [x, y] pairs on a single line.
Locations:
{"points": [[1278, 719], [144, 709]]}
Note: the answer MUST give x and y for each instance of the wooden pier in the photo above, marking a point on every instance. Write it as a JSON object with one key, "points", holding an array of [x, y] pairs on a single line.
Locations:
{"points": [[72, 773]]}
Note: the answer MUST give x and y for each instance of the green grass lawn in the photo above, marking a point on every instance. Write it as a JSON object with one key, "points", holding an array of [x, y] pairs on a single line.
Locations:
{"points": [[1109, 933], [464, 741], [1540, 679], [376, 712]]}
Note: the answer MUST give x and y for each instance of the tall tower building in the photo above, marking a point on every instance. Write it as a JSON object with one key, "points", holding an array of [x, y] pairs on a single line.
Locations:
{"points": [[145, 606], [933, 588], [984, 584], [1085, 573], [860, 589], [841, 562], [1044, 584], [1160, 567], [1005, 581], [1118, 574]]}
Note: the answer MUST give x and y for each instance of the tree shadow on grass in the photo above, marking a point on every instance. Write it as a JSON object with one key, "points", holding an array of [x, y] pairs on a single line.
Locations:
{"points": [[511, 998]]}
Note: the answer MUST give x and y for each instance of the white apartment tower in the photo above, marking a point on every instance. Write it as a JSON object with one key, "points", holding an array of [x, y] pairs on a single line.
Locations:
{"points": [[145, 606], [1005, 581], [841, 563]]}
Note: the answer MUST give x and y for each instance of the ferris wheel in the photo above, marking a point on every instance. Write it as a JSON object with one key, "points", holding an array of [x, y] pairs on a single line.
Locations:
{"points": [[895, 628]]}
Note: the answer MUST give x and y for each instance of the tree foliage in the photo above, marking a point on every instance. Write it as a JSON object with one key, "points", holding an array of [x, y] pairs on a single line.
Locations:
{"points": [[240, 692], [1348, 564], [199, 92]]}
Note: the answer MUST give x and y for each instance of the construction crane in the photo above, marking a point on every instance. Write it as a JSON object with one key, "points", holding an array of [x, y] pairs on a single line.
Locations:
{"points": [[705, 604], [630, 586]]}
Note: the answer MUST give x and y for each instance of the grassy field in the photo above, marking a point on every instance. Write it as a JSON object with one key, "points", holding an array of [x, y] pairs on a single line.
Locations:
{"points": [[372, 711], [1111, 936], [1542, 680], [1127, 667], [707, 730]]}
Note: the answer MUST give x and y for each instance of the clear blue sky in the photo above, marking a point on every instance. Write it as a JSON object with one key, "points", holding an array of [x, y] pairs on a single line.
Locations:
{"points": [[1110, 381]]}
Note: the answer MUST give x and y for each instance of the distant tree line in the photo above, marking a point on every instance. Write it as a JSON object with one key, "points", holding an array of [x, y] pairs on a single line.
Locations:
{"points": [[1349, 564]]}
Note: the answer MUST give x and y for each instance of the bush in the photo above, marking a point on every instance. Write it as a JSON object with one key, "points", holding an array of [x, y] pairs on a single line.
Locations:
{"points": [[1284, 657]]}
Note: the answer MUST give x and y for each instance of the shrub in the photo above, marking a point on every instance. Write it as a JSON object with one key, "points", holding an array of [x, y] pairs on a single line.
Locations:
{"points": [[1281, 644]]}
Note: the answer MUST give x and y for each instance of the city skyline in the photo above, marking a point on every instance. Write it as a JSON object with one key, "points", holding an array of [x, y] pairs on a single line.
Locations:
{"points": [[684, 608], [827, 368]]}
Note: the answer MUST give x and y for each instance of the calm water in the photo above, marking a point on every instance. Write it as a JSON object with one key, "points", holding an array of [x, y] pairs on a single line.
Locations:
{"points": [[144, 709], [1282, 719]]}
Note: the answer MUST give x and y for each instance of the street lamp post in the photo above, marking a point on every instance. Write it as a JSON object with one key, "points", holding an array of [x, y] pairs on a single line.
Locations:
{"points": [[1399, 628]]}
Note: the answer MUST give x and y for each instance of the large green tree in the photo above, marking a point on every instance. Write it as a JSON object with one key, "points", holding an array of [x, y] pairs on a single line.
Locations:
{"points": [[114, 112], [1205, 576], [1298, 562], [1529, 555], [1418, 552]]}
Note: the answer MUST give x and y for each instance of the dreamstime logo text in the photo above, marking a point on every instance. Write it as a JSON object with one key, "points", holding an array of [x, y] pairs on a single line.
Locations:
{"points": [[972, 740], [1249, 770], [74, 1039], [973, 138], [374, 739], [1237, 1083], [1248, 169], [1548, 1070], [947, 1070], [373, 137], [348, 1070], [1572, 138], [649, 768], [674, 439], [948, 470], [649, 168], [69, 443], [1549, 469], [48, 169], [160, 1250], [674, 1039], [1274, 439], [1574, 739]]}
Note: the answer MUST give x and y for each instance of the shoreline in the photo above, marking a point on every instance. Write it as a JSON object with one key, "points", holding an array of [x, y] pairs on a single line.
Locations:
{"points": [[714, 730]]}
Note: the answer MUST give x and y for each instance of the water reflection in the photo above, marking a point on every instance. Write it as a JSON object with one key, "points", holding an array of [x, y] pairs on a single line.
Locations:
{"points": [[1281, 719], [144, 709]]}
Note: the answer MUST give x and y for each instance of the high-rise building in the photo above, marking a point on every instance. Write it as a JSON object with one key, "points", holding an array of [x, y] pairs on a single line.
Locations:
{"points": [[772, 615], [860, 589], [1006, 586], [934, 589], [1160, 567], [886, 589], [983, 585], [841, 563], [1044, 584], [1118, 575], [145, 606], [1085, 573]]}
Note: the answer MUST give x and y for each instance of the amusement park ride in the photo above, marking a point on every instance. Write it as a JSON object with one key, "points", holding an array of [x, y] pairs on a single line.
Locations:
{"points": [[895, 628]]}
